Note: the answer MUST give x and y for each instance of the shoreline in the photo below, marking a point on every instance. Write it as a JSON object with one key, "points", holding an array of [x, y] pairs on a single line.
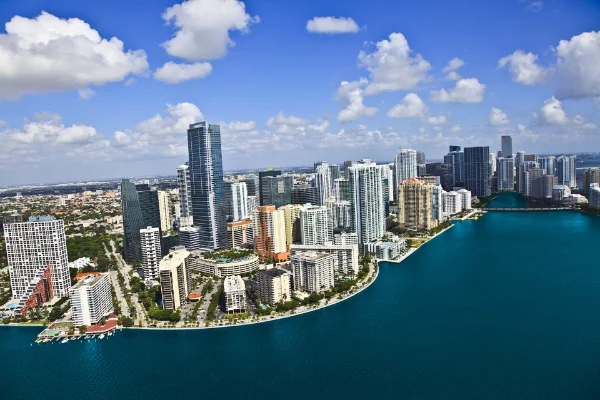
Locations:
{"points": [[414, 249]]}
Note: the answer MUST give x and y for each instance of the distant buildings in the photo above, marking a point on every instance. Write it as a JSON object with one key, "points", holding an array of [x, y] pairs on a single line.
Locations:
{"points": [[261, 175], [236, 196], [345, 254], [478, 171], [305, 194], [174, 279], [547, 163], [30, 248], [91, 299], [565, 170], [275, 285], [235, 294], [507, 149], [293, 231], [559, 192], [151, 251], [323, 182], [269, 234], [140, 210], [591, 176], [313, 272]]}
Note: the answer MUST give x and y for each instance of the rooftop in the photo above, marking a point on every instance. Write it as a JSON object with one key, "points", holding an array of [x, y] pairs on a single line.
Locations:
{"points": [[311, 255], [174, 259], [89, 280], [234, 283], [273, 272]]}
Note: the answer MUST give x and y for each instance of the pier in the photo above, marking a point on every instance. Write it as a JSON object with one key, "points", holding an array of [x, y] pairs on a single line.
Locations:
{"points": [[527, 209]]}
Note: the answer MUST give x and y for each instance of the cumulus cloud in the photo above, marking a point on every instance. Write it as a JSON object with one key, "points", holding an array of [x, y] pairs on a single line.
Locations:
{"points": [[411, 106], [578, 66], [177, 120], [551, 113], [498, 117], [174, 73], [332, 25], [455, 129], [239, 126], [203, 27], [286, 124], [393, 66], [50, 54], [437, 119], [465, 91], [451, 68], [524, 68], [351, 93]]}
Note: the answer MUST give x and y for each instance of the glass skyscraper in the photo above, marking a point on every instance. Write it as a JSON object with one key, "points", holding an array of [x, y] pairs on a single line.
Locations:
{"points": [[140, 210], [277, 190], [478, 171], [209, 207], [261, 175]]}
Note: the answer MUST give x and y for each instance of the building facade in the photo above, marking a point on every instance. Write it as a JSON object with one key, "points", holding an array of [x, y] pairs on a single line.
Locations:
{"points": [[236, 196], [151, 251], [565, 170], [313, 272], [478, 171], [345, 255], [367, 200], [240, 234], [315, 224], [275, 285], [164, 207], [507, 149], [414, 204], [269, 234], [91, 299], [506, 174], [277, 190], [140, 208], [235, 294], [174, 279], [405, 165]]}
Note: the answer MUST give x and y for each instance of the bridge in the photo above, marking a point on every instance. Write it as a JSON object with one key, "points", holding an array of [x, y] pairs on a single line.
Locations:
{"points": [[527, 209]]}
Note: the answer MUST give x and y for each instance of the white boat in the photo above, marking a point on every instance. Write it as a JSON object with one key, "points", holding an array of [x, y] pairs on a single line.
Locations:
{"points": [[65, 340], [102, 336]]}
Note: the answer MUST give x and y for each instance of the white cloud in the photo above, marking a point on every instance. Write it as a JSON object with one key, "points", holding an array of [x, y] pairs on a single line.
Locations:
{"points": [[49, 54], [455, 129], [332, 25], [524, 69], [498, 117], [535, 6], [86, 93], [239, 126], [289, 124], [319, 127], [203, 27], [465, 91], [174, 73], [551, 113], [411, 106], [393, 66], [578, 66], [180, 116], [451, 68], [437, 119], [352, 94]]}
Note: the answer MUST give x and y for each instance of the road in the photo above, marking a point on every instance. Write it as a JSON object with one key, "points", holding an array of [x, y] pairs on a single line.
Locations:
{"points": [[119, 292]]}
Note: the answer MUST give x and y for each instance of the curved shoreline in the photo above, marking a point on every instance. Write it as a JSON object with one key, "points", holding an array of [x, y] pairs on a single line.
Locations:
{"points": [[278, 318]]}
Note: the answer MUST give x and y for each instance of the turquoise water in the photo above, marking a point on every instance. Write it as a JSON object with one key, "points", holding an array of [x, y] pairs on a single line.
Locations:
{"points": [[505, 307], [508, 200]]}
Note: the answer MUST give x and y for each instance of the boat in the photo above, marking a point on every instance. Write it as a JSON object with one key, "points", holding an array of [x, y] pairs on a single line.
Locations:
{"points": [[65, 340], [102, 336]]}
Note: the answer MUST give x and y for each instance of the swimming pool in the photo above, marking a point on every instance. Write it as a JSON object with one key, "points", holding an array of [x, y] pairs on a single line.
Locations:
{"points": [[12, 304]]}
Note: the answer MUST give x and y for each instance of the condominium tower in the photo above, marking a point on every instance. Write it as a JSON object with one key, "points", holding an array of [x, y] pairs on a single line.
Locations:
{"points": [[367, 200], [478, 171], [185, 190], [151, 251], [405, 165]]}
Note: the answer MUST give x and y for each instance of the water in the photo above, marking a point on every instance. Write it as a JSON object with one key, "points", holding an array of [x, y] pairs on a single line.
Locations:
{"points": [[508, 200], [505, 307]]}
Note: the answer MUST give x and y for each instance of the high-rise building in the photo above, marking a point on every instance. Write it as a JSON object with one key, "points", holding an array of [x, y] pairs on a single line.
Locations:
{"points": [[453, 203], [185, 190], [594, 198], [293, 231], [523, 182], [240, 234], [235, 294], [506, 174], [341, 189], [530, 157], [252, 203], [455, 169], [530, 176], [541, 187], [164, 207], [591, 176], [565, 170], [323, 182], [548, 164], [277, 190], [466, 199], [189, 237], [305, 194], [313, 272], [348, 164], [478, 171], [405, 165], [507, 150], [367, 200], [441, 169], [420, 157], [414, 205], [315, 225], [492, 163], [275, 285], [140, 209], [269, 234], [252, 185], [334, 172], [454, 148], [344, 250], [151, 251], [209, 208], [261, 175], [236, 196], [519, 158], [437, 203], [341, 215], [174, 279], [33, 246], [91, 299]]}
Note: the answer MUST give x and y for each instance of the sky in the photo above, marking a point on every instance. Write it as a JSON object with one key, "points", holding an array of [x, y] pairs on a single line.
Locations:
{"points": [[106, 89]]}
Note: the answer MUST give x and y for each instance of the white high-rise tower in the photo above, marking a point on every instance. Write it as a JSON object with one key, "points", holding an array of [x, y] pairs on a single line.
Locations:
{"points": [[405, 165]]}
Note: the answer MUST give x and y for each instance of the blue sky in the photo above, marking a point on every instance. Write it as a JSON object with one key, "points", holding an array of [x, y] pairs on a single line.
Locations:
{"points": [[76, 106]]}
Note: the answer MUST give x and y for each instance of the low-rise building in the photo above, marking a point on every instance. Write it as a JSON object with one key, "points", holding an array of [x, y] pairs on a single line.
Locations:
{"points": [[80, 263], [573, 199], [235, 294], [275, 285], [386, 250], [223, 262], [560, 191], [313, 271], [466, 199], [174, 279], [91, 299]]}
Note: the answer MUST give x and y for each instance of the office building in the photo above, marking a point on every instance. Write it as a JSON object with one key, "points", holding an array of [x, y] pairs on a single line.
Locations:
{"points": [[240, 234], [151, 251], [455, 169], [315, 225], [252, 185], [175, 281], [405, 165], [252, 203], [367, 200], [454, 148], [591, 176], [236, 196], [421, 169], [209, 208], [334, 172], [293, 231], [323, 182], [261, 175], [305, 195], [519, 158], [344, 249], [453, 202], [235, 294], [530, 157], [478, 171], [269, 234], [185, 190], [30, 248], [420, 157], [277, 190], [164, 207], [522, 184], [507, 149], [313, 272], [547, 163], [594, 198], [189, 237], [91, 299], [275, 286], [414, 205], [565, 170], [141, 209], [493, 163], [442, 170], [506, 174], [341, 189]]}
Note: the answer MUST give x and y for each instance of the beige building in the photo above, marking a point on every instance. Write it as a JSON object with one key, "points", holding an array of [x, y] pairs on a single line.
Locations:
{"points": [[240, 234], [292, 223], [164, 207], [233, 263], [414, 204], [269, 234], [174, 278], [275, 285], [313, 272]]}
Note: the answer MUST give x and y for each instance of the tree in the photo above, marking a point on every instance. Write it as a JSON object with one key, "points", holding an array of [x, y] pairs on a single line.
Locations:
{"points": [[82, 329]]}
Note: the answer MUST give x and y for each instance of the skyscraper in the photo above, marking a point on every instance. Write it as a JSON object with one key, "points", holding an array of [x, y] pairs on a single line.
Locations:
{"points": [[164, 205], [236, 195], [519, 158], [151, 251], [32, 247], [315, 225], [420, 157], [305, 194], [455, 169], [323, 182], [506, 174], [185, 190], [209, 208], [414, 205], [334, 171], [507, 151], [140, 208], [252, 185], [405, 165], [269, 234], [565, 170], [261, 175], [478, 171], [366, 200], [277, 190], [454, 148]]}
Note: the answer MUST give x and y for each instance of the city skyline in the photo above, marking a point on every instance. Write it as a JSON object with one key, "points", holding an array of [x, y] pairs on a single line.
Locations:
{"points": [[440, 86]]}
